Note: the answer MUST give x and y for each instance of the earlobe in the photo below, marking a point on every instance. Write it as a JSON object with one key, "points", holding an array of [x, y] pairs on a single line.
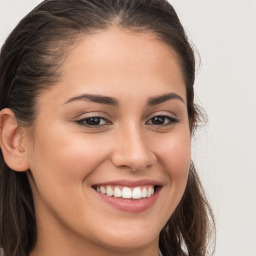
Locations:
{"points": [[12, 142]]}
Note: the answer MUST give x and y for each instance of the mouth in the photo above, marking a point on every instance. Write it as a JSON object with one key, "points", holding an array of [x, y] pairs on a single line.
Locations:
{"points": [[129, 196], [125, 192]]}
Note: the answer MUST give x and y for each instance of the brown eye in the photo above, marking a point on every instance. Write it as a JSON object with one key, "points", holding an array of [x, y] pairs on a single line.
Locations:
{"points": [[93, 121], [162, 120]]}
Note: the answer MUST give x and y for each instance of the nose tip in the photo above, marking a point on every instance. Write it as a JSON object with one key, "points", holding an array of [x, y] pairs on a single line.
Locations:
{"points": [[134, 154], [134, 162]]}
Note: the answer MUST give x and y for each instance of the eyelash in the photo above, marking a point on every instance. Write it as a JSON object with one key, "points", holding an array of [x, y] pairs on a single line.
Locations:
{"points": [[92, 118], [165, 119], [170, 120]]}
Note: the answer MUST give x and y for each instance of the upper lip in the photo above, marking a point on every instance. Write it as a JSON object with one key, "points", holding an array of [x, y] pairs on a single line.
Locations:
{"points": [[130, 183]]}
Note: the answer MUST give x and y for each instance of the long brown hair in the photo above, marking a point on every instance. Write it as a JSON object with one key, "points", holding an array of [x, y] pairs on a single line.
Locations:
{"points": [[30, 62]]}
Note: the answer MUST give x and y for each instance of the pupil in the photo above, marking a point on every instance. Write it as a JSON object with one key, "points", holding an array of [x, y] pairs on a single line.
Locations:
{"points": [[93, 121], [158, 120]]}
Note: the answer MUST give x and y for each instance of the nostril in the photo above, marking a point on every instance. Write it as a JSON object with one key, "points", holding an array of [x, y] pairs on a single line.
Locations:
{"points": [[134, 155]]}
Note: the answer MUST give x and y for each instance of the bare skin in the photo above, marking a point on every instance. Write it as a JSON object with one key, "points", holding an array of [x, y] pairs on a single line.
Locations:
{"points": [[134, 135]]}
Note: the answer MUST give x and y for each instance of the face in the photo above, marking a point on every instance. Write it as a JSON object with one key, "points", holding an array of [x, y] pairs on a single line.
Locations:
{"points": [[110, 152]]}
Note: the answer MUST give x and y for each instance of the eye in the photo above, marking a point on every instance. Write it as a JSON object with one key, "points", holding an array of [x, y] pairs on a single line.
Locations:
{"points": [[93, 121], [162, 120]]}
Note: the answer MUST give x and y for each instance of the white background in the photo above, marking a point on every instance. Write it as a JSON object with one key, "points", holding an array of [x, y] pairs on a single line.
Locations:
{"points": [[224, 32]]}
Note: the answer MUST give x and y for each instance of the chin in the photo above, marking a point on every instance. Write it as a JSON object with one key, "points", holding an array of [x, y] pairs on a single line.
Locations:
{"points": [[130, 239]]}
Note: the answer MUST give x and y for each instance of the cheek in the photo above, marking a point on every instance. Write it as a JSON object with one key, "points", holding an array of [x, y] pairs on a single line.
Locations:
{"points": [[61, 163], [175, 155], [64, 157], [173, 151], [180, 152]]}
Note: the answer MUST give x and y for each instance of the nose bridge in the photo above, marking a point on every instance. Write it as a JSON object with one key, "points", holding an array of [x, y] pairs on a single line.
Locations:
{"points": [[132, 148]]}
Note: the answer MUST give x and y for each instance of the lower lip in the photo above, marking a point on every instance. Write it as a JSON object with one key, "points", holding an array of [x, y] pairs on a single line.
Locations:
{"points": [[130, 205]]}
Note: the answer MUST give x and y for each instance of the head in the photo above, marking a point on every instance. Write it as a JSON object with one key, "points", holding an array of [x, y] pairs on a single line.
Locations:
{"points": [[54, 48]]}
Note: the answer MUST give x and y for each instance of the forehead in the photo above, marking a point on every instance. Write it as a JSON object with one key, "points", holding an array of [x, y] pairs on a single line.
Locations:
{"points": [[121, 60]]}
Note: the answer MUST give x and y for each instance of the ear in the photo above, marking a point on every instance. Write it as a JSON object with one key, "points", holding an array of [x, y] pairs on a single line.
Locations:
{"points": [[12, 142]]}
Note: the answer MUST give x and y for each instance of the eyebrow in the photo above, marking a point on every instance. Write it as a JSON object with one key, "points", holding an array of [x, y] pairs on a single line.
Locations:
{"points": [[100, 99], [95, 98], [162, 98]]}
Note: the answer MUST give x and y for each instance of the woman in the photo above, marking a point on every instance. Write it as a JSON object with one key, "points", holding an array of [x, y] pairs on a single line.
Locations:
{"points": [[96, 119]]}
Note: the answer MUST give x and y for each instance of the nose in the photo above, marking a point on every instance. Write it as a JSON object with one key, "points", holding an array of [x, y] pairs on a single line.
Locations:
{"points": [[132, 150]]}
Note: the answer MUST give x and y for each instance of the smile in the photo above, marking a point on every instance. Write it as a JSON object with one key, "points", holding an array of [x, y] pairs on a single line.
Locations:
{"points": [[129, 196], [126, 192]]}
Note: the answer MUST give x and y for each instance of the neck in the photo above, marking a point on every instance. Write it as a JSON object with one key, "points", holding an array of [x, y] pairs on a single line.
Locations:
{"points": [[60, 249]]}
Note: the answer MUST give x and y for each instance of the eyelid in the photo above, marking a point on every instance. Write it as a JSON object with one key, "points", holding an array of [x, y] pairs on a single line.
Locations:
{"points": [[82, 119], [163, 113], [173, 118], [92, 114]]}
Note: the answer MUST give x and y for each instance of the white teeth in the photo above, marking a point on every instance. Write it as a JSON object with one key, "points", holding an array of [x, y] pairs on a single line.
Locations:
{"points": [[136, 193], [117, 192], [144, 192], [149, 193], [152, 191], [102, 190], [126, 192], [109, 191]]}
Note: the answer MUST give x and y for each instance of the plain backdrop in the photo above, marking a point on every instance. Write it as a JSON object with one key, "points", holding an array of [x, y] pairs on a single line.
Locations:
{"points": [[224, 150]]}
